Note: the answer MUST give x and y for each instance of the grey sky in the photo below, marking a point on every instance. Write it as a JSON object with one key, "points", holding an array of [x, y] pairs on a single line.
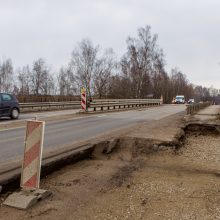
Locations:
{"points": [[188, 31]]}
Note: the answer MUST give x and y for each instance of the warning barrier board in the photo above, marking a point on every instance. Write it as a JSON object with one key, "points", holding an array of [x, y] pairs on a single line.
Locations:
{"points": [[83, 99], [31, 166]]}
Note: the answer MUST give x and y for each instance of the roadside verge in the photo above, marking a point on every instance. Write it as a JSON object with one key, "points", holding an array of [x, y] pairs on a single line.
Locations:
{"points": [[155, 134]]}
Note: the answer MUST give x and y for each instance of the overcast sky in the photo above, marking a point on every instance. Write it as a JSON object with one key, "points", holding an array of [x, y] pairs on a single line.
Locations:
{"points": [[189, 31]]}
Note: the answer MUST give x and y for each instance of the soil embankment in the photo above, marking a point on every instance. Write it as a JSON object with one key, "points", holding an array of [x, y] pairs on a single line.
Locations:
{"points": [[155, 172]]}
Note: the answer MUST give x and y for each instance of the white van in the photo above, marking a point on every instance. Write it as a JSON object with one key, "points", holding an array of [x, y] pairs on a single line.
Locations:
{"points": [[180, 99]]}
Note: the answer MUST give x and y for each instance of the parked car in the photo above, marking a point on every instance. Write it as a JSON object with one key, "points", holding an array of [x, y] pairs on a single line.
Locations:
{"points": [[9, 106], [180, 99], [191, 101]]}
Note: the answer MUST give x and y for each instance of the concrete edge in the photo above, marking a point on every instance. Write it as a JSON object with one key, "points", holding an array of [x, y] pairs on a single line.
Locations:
{"points": [[11, 179]]}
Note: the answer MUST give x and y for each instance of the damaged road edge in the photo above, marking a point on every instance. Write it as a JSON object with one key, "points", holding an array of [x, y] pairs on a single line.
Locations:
{"points": [[10, 181]]}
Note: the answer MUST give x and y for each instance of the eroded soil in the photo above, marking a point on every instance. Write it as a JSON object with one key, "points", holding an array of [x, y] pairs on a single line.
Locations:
{"points": [[135, 183]]}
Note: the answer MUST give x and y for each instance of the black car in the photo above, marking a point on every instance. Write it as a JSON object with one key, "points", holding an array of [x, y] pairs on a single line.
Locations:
{"points": [[9, 106]]}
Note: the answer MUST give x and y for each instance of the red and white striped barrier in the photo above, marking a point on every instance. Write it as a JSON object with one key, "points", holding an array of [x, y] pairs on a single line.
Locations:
{"points": [[30, 176], [161, 100], [30, 193], [83, 99]]}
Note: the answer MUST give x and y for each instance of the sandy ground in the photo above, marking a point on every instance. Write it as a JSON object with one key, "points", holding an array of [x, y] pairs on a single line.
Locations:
{"points": [[208, 114], [141, 179]]}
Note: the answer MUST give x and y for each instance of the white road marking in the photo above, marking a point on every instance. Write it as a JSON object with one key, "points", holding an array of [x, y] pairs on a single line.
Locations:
{"points": [[100, 116]]}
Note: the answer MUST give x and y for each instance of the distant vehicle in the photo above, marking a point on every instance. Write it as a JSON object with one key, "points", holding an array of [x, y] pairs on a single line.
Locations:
{"points": [[180, 99], [9, 106], [191, 101]]}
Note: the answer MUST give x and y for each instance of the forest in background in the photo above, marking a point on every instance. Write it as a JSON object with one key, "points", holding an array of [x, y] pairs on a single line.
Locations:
{"points": [[139, 73]]}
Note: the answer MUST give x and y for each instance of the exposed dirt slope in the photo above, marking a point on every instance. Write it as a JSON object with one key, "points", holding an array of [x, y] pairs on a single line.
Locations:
{"points": [[141, 179]]}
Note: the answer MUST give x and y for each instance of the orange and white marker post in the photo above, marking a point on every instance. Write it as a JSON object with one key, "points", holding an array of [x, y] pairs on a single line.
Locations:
{"points": [[30, 177], [83, 99], [161, 100], [31, 167]]}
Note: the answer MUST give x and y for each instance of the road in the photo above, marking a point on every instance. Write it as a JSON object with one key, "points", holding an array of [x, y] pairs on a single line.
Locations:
{"points": [[74, 130], [40, 115]]}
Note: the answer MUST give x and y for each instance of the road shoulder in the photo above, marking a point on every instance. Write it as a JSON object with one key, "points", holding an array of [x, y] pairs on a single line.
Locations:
{"points": [[103, 175]]}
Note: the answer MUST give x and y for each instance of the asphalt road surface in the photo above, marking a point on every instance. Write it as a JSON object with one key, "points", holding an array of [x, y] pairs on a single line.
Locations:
{"points": [[70, 131], [40, 115]]}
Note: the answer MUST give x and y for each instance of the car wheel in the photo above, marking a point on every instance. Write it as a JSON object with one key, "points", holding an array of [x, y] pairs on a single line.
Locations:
{"points": [[14, 113]]}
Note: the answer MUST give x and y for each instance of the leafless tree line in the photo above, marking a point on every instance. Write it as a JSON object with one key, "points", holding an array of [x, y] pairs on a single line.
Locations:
{"points": [[140, 73]]}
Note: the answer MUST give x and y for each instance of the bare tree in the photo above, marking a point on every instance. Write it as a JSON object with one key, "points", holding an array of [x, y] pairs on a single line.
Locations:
{"points": [[179, 84], [137, 62], [48, 84], [66, 81], [6, 76], [62, 81], [24, 80], [119, 87], [103, 71], [41, 79], [202, 93], [37, 75], [83, 62], [140, 73], [159, 77]]}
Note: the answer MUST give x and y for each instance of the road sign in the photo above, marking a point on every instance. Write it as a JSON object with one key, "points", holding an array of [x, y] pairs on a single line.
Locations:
{"points": [[30, 193], [83, 99], [30, 177]]}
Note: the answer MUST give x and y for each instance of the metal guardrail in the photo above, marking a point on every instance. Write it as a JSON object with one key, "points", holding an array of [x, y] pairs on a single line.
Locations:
{"points": [[123, 100], [101, 104], [48, 106], [125, 103], [193, 108]]}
